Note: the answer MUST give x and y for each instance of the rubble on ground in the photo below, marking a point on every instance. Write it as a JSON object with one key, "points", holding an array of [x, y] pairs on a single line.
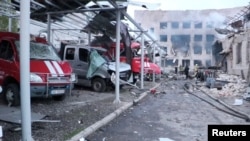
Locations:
{"points": [[232, 86]]}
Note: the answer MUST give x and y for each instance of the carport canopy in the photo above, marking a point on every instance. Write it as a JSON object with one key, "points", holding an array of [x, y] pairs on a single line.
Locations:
{"points": [[78, 15]]}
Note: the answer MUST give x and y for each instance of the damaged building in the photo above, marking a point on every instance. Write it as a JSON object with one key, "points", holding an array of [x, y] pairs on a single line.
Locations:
{"points": [[189, 35], [236, 45]]}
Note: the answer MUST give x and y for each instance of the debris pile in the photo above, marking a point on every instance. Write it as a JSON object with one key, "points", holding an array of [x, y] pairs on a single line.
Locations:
{"points": [[233, 86], [230, 78]]}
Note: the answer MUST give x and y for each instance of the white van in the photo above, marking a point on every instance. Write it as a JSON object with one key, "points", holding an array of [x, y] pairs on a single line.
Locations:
{"points": [[92, 68]]}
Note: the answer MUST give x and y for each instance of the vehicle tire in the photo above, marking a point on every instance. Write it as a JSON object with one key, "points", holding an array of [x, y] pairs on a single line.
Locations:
{"points": [[99, 85], [12, 95], [59, 97]]}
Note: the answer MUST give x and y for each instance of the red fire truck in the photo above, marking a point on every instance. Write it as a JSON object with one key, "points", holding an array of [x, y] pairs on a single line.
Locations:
{"points": [[149, 66], [49, 75]]}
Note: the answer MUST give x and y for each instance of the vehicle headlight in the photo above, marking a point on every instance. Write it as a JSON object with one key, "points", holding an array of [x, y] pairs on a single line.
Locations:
{"points": [[35, 78], [73, 77], [112, 78]]}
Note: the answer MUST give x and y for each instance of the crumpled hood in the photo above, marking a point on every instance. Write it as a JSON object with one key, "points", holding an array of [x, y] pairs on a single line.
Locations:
{"points": [[123, 66]]}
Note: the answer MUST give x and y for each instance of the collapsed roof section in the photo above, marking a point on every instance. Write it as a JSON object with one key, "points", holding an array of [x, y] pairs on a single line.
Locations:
{"points": [[236, 23], [75, 16], [59, 8]]}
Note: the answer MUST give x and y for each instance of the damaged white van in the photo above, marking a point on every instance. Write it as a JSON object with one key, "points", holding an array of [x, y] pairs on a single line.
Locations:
{"points": [[92, 67]]}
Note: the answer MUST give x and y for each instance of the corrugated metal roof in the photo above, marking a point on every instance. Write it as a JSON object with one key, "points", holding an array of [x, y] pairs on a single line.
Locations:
{"points": [[69, 14], [76, 16]]}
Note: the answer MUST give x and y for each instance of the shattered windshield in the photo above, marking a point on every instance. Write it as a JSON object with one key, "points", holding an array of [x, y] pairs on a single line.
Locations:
{"points": [[40, 51], [103, 54]]}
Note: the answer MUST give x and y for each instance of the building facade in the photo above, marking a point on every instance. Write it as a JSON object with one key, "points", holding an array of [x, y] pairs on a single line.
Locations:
{"points": [[188, 35]]}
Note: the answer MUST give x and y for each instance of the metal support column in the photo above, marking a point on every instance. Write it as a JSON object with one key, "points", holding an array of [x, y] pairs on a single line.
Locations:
{"points": [[142, 61], [48, 27], [25, 70], [89, 37], [117, 58], [154, 62], [10, 24]]}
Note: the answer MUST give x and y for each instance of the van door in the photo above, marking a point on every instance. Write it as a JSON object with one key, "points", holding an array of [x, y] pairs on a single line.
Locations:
{"points": [[83, 63], [78, 58], [7, 64]]}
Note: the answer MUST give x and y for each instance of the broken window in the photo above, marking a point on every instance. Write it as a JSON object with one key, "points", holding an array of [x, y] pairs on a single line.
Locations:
{"points": [[197, 24], [163, 25], [40, 51], [175, 25], [198, 62], [171, 62], [180, 43], [163, 38], [197, 49], [186, 25], [238, 53], [197, 38], [208, 63], [185, 62]]}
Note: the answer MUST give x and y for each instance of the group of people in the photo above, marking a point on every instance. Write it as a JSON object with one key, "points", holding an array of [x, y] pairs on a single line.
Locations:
{"points": [[185, 70]]}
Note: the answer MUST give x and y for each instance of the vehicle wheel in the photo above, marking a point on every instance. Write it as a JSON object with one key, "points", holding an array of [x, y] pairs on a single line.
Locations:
{"points": [[12, 95], [99, 85], [59, 97]]}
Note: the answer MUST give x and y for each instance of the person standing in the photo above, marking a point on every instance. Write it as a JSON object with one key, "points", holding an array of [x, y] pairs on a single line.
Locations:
{"points": [[186, 70], [181, 69]]}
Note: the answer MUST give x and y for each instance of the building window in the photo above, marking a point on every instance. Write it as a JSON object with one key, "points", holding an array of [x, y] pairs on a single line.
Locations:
{"points": [[197, 24], [171, 62], [181, 43], [238, 53], [186, 25], [197, 49], [208, 48], [210, 24], [209, 37], [208, 63], [198, 62], [163, 38], [163, 25], [175, 25], [197, 38], [185, 62]]}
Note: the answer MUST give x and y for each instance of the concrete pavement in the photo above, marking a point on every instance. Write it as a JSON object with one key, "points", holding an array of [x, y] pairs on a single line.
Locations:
{"points": [[92, 128]]}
